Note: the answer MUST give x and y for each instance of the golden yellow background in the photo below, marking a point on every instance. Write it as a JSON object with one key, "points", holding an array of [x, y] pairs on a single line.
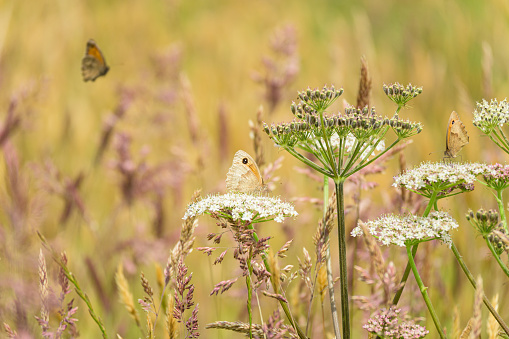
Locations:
{"points": [[218, 45]]}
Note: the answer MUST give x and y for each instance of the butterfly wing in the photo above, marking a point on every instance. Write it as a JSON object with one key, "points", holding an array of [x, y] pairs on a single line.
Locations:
{"points": [[456, 137], [93, 64], [244, 175]]}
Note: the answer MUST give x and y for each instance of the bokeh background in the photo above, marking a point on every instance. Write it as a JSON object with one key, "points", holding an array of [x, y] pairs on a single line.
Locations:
{"points": [[185, 79]]}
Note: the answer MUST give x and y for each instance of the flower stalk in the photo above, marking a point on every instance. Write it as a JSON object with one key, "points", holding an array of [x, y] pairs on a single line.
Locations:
{"points": [[424, 292], [341, 145], [343, 269], [406, 273]]}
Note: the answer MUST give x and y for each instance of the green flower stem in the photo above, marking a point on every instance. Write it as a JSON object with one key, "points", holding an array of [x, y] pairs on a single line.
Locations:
{"points": [[343, 279], [424, 291], [341, 153], [503, 145], [470, 278], [307, 161], [404, 278], [497, 257], [501, 209], [330, 154], [505, 141], [73, 281], [326, 161], [330, 278], [249, 295], [432, 201], [503, 135], [284, 305], [361, 166]]}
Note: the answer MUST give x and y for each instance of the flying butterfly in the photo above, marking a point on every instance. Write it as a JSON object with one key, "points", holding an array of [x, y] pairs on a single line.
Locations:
{"points": [[456, 136], [93, 64], [244, 175]]}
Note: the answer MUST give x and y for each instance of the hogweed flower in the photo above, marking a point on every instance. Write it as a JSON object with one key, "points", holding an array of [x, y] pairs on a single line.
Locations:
{"points": [[242, 207], [500, 240], [400, 94], [406, 230], [490, 118], [484, 222], [492, 115], [446, 179], [488, 225], [342, 143], [385, 324], [496, 176]]}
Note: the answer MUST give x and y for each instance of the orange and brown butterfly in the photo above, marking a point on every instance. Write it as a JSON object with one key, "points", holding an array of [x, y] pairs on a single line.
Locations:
{"points": [[456, 136], [244, 175], [93, 64]]}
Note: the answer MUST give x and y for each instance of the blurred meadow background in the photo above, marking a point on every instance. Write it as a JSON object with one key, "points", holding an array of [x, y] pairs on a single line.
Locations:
{"points": [[105, 169]]}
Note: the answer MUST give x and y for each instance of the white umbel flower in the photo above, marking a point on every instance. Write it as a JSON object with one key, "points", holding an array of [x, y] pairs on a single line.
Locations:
{"points": [[401, 230], [488, 116], [242, 206], [437, 174]]}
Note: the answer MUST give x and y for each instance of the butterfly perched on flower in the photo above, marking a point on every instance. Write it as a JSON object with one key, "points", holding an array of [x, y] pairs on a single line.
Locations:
{"points": [[244, 175], [93, 64], [456, 136]]}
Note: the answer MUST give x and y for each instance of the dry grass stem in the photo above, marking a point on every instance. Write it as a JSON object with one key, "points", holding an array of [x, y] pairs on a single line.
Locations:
{"points": [[477, 315], [487, 70], [125, 295], [126, 98], [325, 226], [237, 327], [256, 135], [374, 252], [456, 323], [493, 325], [363, 96], [171, 323], [465, 334]]}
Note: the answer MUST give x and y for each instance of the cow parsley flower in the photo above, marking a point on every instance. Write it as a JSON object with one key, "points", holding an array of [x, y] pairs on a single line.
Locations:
{"points": [[402, 230], [342, 143], [496, 176], [242, 207], [492, 115], [443, 177]]}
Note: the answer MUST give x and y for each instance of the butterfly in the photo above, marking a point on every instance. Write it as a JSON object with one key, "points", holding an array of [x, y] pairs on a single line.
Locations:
{"points": [[244, 175], [93, 64], [456, 136]]}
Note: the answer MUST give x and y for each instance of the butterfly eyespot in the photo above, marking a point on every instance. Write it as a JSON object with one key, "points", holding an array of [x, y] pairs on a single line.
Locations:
{"points": [[244, 176]]}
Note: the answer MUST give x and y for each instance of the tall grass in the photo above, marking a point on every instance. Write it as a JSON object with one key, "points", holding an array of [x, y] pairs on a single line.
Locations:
{"points": [[104, 170]]}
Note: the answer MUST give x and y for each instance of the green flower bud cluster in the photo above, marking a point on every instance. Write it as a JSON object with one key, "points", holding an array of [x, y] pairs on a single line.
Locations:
{"points": [[401, 94], [362, 123], [317, 100], [484, 221], [500, 245]]}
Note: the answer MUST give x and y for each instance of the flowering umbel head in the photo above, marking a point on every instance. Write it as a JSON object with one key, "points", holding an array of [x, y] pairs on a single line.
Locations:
{"points": [[407, 230], [342, 143], [440, 178], [496, 176], [488, 116], [241, 207]]}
